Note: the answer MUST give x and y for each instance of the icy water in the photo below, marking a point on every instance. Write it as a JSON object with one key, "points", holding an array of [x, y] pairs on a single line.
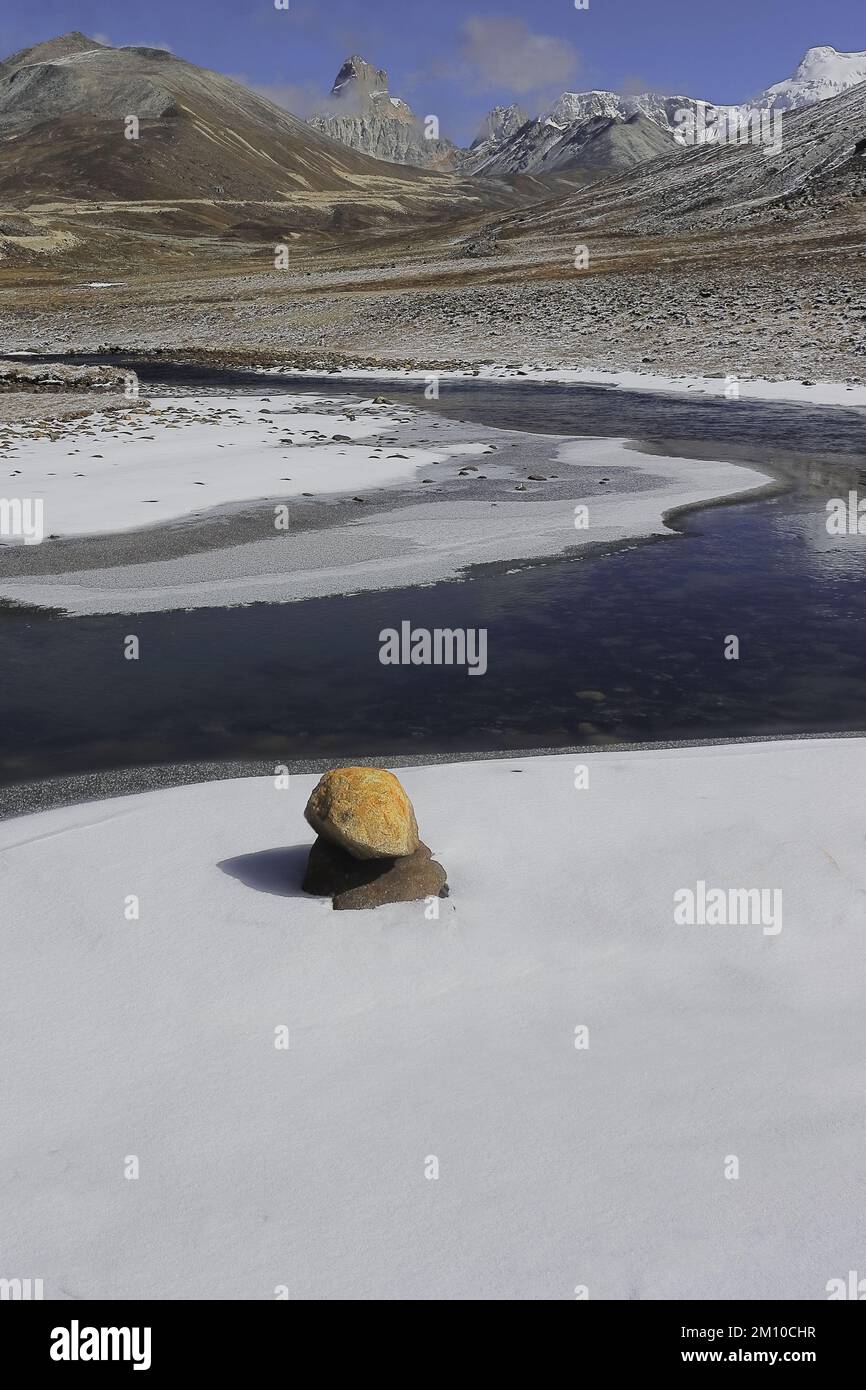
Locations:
{"points": [[627, 645]]}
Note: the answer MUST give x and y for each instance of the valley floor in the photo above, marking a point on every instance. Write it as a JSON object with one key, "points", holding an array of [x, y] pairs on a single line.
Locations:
{"points": [[672, 308], [705, 1143]]}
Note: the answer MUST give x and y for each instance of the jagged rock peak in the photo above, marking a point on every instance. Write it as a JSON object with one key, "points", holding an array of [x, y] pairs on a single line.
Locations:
{"points": [[500, 124], [358, 81]]}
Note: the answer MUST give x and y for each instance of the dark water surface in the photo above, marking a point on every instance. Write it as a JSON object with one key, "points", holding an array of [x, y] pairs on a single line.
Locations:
{"points": [[546, 407], [627, 645]]}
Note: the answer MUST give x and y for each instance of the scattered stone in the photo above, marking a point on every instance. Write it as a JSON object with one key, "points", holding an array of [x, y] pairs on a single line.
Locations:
{"points": [[43, 376]]}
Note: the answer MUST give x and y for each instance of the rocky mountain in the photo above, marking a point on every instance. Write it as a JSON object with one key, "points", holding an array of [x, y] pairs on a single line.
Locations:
{"points": [[362, 114], [63, 112], [596, 132], [821, 73], [597, 145], [498, 125], [61, 47], [358, 84], [206, 161], [213, 163], [661, 110], [818, 172]]}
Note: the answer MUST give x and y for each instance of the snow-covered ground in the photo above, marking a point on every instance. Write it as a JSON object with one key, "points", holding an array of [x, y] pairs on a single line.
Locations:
{"points": [[412, 1040], [417, 543], [185, 456]]}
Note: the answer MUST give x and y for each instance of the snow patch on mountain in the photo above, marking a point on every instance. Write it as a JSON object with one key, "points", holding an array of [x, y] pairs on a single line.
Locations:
{"points": [[822, 73]]}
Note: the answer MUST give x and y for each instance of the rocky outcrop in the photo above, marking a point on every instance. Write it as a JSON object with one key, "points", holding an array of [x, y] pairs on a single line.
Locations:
{"points": [[57, 376], [362, 114]]}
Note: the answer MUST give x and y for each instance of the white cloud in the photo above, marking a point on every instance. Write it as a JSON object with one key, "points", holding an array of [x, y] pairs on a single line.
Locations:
{"points": [[298, 98], [499, 51]]}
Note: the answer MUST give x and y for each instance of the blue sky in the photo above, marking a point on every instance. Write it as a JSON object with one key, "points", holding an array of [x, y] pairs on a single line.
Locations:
{"points": [[457, 58]]}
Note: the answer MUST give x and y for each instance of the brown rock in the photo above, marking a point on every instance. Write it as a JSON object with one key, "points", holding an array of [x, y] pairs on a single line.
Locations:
{"points": [[365, 811], [360, 883]]}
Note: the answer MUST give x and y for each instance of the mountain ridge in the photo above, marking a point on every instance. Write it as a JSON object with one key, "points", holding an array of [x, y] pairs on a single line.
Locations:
{"points": [[506, 145]]}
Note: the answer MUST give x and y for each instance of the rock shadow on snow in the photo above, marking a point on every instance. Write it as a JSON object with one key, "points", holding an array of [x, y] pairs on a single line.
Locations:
{"points": [[279, 871]]}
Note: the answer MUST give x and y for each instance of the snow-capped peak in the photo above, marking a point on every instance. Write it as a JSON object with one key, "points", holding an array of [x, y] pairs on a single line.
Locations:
{"points": [[580, 106], [821, 73]]}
